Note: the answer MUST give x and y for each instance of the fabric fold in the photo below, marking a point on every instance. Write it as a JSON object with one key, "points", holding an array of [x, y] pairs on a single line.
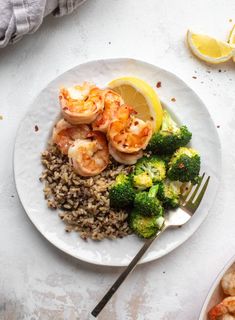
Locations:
{"points": [[21, 17]]}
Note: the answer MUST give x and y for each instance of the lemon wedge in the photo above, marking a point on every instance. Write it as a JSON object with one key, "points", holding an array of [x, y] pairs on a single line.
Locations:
{"points": [[209, 49], [231, 39], [142, 97]]}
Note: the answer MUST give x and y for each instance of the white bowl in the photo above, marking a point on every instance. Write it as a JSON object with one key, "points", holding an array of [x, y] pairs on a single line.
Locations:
{"points": [[188, 107], [216, 294]]}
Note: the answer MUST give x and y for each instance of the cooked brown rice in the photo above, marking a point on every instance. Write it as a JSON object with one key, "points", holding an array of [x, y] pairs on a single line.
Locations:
{"points": [[83, 202]]}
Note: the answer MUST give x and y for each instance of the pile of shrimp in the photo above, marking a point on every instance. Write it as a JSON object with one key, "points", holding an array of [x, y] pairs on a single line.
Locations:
{"points": [[225, 310], [97, 123]]}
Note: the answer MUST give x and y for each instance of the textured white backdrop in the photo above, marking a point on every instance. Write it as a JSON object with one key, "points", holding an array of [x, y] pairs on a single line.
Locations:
{"points": [[37, 281]]}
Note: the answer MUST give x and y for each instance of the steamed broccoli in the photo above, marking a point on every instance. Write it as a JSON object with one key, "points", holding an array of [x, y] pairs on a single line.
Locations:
{"points": [[142, 180], [170, 137], [144, 226], [184, 165], [147, 204], [147, 171], [121, 193], [169, 193]]}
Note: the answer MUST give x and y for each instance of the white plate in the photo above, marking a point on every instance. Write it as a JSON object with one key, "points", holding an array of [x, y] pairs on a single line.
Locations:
{"points": [[45, 109], [216, 294]]}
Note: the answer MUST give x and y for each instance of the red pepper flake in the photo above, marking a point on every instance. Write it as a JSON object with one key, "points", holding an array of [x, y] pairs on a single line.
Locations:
{"points": [[159, 84], [136, 122], [65, 108], [218, 126], [151, 118], [181, 165], [194, 77], [36, 128], [173, 99]]}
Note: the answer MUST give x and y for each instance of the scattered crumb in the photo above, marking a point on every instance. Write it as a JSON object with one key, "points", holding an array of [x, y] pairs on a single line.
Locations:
{"points": [[159, 84], [176, 294], [109, 42], [219, 70], [173, 99], [36, 128], [218, 126], [202, 81], [12, 196], [164, 272], [230, 20], [1, 117], [194, 77], [208, 71], [230, 79], [195, 71]]}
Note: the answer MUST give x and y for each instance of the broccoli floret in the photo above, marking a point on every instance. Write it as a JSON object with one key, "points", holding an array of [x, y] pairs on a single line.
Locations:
{"points": [[169, 193], [147, 171], [144, 226], [170, 137], [147, 204], [121, 193], [184, 165], [142, 181]]}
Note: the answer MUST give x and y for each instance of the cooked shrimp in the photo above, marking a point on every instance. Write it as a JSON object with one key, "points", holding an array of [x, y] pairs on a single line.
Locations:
{"points": [[223, 310], [112, 101], [125, 158], [127, 133], [64, 134], [228, 283], [81, 104], [227, 317], [89, 156]]}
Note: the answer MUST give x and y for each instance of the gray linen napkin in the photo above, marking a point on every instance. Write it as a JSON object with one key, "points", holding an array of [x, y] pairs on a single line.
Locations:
{"points": [[20, 17]]}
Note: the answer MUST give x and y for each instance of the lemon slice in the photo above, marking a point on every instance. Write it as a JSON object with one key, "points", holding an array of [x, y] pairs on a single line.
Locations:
{"points": [[142, 97], [209, 49], [231, 39]]}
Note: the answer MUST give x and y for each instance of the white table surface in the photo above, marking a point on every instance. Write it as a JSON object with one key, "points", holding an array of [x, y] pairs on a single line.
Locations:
{"points": [[37, 281]]}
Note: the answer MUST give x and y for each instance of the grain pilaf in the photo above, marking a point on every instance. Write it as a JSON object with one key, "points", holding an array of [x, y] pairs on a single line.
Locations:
{"points": [[83, 202]]}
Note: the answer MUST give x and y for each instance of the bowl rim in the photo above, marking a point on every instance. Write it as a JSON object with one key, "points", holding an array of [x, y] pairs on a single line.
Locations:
{"points": [[215, 283]]}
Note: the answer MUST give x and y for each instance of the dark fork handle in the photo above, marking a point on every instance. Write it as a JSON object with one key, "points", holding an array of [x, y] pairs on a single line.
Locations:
{"points": [[95, 312]]}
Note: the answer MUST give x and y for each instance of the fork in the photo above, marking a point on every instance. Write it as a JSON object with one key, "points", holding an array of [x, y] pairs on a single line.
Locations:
{"points": [[173, 219]]}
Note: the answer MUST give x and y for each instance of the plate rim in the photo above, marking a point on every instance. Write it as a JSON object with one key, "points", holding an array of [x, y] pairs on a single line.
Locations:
{"points": [[108, 263]]}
